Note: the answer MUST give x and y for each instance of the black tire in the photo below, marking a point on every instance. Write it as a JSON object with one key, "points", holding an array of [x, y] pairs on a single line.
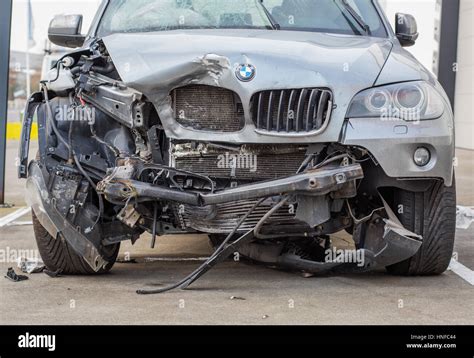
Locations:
{"points": [[57, 255], [431, 214]]}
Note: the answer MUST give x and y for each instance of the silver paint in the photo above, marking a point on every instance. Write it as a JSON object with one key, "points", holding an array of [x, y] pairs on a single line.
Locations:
{"points": [[157, 63]]}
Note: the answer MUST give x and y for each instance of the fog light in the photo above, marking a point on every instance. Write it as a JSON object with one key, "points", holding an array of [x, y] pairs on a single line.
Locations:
{"points": [[422, 157]]}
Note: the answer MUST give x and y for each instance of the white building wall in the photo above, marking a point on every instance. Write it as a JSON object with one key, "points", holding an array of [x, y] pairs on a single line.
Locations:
{"points": [[43, 12], [426, 13], [465, 78]]}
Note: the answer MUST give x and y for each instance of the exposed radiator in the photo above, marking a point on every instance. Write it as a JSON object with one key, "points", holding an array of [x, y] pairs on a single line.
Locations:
{"points": [[292, 111], [255, 163], [224, 218], [272, 162], [208, 108]]}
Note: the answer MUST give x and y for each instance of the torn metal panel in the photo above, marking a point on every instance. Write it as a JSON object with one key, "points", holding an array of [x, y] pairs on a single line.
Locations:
{"points": [[124, 104], [400, 245], [55, 223], [390, 240]]}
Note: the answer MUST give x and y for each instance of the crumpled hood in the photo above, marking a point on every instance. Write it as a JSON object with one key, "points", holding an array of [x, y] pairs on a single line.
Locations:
{"points": [[284, 59], [156, 63]]}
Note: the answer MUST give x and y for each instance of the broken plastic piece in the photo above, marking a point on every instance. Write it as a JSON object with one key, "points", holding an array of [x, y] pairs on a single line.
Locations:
{"points": [[12, 276], [53, 274], [464, 217], [124, 261], [30, 265]]}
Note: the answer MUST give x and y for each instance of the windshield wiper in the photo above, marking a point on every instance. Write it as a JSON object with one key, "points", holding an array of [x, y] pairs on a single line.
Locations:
{"points": [[356, 17], [275, 24]]}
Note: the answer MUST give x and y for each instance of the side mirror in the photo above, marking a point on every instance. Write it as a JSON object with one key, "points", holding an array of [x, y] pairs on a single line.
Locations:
{"points": [[406, 29], [65, 31]]}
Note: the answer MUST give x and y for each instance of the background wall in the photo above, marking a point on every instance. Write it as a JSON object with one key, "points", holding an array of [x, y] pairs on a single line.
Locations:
{"points": [[465, 78], [43, 12], [427, 14]]}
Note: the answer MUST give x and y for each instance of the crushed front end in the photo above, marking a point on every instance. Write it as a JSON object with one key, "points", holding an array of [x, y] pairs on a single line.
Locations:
{"points": [[269, 169]]}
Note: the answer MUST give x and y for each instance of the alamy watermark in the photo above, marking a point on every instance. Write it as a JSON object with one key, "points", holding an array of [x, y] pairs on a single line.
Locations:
{"points": [[392, 113], [9, 255], [238, 161], [75, 114], [34, 341], [335, 255]]}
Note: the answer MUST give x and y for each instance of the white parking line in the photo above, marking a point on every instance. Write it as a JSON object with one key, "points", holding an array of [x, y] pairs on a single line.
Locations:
{"points": [[462, 271], [20, 223], [13, 216]]}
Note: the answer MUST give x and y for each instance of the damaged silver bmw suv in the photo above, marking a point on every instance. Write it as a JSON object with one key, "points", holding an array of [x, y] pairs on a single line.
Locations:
{"points": [[268, 125]]}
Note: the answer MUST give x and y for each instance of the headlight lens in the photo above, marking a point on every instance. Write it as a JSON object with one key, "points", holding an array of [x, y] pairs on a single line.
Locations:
{"points": [[410, 101], [377, 100]]}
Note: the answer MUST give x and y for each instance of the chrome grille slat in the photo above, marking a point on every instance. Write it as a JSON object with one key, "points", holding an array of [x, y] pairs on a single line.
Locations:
{"points": [[296, 111], [300, 110], [291, 111], [270, 113], [320, 113], [311, 110], [260, 109], [281, 107]]}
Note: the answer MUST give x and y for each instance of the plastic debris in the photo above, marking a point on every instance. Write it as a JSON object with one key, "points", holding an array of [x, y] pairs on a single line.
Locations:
{"points": [[30, 266], [53, 274], [124, 261], [12, 276], [464, 217]]}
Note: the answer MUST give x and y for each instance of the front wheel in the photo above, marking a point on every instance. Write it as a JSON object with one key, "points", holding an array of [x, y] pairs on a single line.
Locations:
{"points": [[58, 256], [432, 215]]}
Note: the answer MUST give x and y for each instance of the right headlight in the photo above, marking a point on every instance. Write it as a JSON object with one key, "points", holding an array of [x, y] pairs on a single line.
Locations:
{"points": [[409, 101]]}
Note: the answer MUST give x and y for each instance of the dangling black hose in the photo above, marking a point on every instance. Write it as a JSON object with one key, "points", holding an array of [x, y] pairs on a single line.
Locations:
{"points": [[267, 216], [188, 280]]}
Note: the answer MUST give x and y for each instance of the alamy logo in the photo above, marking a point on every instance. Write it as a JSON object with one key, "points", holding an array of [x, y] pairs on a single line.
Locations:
{"points": [[238, 161], [75, 114], [37, 341], [9, 255], [396, 114], [345, 257]]}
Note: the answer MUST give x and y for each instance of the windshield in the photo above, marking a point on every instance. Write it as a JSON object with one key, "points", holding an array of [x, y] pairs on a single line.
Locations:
{"points": [[353, 17]]}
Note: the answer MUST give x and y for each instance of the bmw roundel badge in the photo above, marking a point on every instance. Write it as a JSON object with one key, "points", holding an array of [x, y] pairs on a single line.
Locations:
{"points": [[246, 72]]}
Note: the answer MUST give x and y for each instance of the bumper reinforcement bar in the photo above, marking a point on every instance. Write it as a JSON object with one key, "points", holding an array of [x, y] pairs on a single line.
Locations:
{"points": [[312, 183]]}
